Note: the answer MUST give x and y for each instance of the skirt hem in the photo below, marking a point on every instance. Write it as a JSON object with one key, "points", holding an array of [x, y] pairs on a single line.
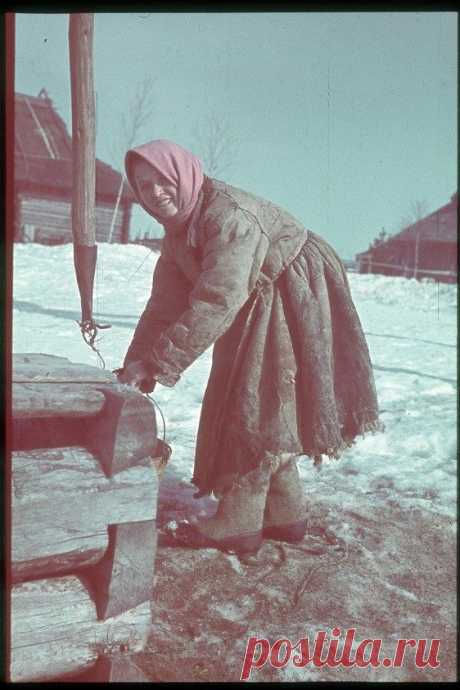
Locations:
{"points": [[315, 454]]}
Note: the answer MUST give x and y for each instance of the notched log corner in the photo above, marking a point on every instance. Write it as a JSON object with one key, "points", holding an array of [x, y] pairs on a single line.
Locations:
{"points": [[123, 433], [123, 579]]}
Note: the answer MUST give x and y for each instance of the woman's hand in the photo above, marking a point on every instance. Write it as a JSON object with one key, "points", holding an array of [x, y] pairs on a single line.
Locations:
{"points": [[136, 375]]}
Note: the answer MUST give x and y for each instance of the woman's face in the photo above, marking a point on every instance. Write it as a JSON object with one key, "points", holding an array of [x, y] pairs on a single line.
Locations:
{"points": [[157, 194]]}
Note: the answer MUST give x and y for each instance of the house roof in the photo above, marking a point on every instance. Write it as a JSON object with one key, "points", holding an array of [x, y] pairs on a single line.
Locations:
{"points": [[43, 151], [439, 226]]}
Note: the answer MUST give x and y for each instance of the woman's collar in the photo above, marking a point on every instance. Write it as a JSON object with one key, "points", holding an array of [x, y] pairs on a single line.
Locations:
{"points": [[192, 225]]}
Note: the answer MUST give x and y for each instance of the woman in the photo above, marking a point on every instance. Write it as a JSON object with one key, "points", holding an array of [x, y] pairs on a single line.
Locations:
{"points": [[291, 373]]}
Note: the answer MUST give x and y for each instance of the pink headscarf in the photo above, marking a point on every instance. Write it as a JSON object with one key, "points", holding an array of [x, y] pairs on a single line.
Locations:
{"points": [[178, 165]]}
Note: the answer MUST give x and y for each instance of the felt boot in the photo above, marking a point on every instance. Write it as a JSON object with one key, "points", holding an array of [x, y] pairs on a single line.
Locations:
{"points": [[285, 518], [237, 523]]}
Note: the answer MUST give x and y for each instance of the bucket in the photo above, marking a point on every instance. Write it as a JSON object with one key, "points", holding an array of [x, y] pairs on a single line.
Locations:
{"points": [[161, 456]]}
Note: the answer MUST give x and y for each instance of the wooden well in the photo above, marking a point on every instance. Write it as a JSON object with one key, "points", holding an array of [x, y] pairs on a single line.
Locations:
{"points": [[83, 509]]}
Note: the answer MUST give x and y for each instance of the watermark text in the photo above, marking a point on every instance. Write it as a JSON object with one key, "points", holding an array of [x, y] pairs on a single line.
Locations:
{"points": [[325, 652]]}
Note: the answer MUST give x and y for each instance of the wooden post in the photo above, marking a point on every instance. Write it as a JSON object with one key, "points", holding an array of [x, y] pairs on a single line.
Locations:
{"points": [[83, 156], [417, 243], [83, 128]]}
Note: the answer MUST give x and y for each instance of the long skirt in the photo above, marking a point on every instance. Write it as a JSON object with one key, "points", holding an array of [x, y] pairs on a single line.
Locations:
{"points": [[291, 375]]}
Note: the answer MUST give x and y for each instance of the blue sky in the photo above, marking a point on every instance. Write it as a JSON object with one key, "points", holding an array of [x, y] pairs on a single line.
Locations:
{"points": [[344, 119]]}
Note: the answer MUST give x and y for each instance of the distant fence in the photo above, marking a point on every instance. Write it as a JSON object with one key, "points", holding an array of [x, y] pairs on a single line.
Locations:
{"points": [[367, 266]]}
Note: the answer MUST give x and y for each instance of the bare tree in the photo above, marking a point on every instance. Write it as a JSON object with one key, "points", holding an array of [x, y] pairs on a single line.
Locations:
{"points": [[418, 209], [216, 144], [139, 113]]}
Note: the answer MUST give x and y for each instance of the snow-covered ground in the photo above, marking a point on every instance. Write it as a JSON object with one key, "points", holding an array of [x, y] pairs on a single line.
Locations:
{"points": [[411, 329]]}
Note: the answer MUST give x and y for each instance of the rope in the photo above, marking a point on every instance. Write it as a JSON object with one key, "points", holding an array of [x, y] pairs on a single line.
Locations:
{"points": [[89, 331], [140, 265], [115, 209]]}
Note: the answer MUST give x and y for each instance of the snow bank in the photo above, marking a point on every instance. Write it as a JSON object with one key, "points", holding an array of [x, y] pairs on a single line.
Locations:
{"points": [[425, 294]]}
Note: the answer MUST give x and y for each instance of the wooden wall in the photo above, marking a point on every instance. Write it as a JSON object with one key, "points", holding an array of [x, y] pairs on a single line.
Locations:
{"points": [[48, 220], [84, 491]]}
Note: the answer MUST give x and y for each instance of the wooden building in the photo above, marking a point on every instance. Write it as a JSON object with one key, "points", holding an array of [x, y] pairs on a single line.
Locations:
{"points": [[425, 249], [43, 179]]}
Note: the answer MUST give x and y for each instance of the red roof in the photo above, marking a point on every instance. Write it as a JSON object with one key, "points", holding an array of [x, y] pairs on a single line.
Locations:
{"points": [[440, 226], [43, 151]]}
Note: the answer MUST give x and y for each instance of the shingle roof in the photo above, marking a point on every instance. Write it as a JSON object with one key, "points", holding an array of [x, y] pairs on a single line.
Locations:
{"points": [[43, 150]]}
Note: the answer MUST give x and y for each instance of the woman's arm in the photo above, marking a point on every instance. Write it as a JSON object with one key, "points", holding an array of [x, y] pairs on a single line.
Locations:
{"points": [[168, 299], [233, 254]]}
